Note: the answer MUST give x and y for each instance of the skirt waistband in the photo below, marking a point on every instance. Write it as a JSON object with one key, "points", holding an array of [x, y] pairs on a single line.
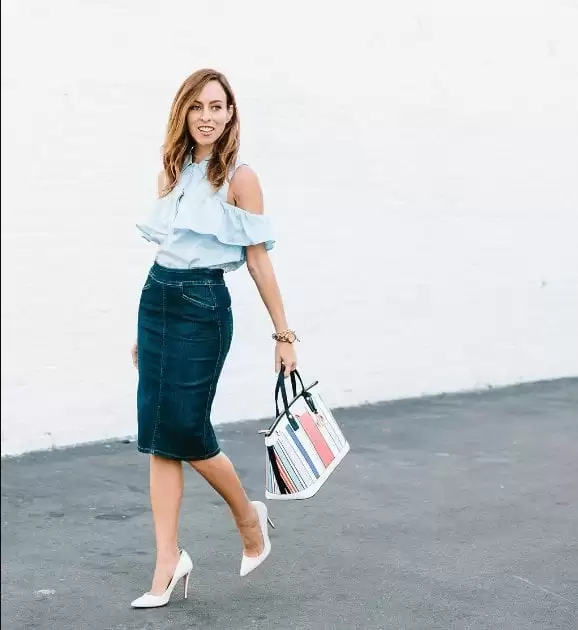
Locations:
{"points": [[199, 275]]}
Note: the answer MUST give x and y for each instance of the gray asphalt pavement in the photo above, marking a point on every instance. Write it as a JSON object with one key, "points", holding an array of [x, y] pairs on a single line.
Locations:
{"points": [[451, 512]]}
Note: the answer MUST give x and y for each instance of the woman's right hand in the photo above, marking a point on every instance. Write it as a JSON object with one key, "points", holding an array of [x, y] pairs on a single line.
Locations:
{"points": [[134, 354]]}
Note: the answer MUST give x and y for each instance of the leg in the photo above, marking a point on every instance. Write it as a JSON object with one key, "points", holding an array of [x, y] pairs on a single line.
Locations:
{"points": [[166, 491], [221, 474]]}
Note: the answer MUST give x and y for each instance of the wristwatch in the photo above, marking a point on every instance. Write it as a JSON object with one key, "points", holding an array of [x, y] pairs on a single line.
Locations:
{"points": [[286, 336]]}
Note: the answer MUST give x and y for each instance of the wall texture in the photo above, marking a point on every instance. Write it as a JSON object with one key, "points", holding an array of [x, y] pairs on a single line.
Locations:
{"points": [[419, 164]]}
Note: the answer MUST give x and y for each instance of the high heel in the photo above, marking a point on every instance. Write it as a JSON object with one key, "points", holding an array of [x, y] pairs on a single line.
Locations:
{"points": [[186, 583], [182, 570], [249, 563]]}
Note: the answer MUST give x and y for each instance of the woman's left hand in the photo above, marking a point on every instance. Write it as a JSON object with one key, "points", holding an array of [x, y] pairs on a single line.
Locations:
{"points": [[285, 354]]}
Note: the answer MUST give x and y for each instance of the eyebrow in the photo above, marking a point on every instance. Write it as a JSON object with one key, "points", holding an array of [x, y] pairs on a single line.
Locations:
{"points": [[210, 102]]}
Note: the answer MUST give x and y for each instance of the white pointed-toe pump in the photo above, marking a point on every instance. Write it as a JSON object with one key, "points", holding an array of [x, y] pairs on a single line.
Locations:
{"points": [[249, 563], [182, 570]]}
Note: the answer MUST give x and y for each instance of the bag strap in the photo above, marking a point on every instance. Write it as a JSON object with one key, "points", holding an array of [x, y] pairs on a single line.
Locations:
{"points": [[280, 388]]}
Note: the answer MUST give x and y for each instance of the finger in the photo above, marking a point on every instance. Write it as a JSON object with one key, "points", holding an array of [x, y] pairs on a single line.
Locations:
{"points": [[277, 365]]}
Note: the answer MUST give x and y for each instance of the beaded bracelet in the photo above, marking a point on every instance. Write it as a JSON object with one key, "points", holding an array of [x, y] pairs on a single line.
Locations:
{"points": [[286, 336]]}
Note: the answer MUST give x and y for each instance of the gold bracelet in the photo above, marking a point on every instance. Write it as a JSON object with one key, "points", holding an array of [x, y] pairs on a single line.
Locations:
{"points": [[286, 336]]}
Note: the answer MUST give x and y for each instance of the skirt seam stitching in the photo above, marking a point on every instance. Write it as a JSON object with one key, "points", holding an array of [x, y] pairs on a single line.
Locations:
{"points": [[213, 384], [162, 370]]}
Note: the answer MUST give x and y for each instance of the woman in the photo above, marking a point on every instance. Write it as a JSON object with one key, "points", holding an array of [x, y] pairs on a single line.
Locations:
{"points": [[208, 220]]}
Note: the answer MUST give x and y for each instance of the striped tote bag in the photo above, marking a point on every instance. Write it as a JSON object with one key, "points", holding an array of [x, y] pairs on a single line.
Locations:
{"points": [[304, 444]]}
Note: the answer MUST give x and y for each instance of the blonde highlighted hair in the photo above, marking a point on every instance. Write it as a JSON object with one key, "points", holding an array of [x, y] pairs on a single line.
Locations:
{"points": [[179, 142]]}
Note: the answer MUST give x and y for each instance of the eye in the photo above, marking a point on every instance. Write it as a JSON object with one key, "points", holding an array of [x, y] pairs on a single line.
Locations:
{"points": [[217, 107], [196, 108]]}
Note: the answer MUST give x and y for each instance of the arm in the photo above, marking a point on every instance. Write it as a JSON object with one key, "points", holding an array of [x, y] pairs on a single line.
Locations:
{"points": [[247, 194]]}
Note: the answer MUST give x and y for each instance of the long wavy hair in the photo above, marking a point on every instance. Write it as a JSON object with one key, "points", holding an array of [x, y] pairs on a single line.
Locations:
{"points": [[179, 142]]}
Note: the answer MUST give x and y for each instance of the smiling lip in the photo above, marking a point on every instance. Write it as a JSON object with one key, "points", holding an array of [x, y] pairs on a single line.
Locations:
{"points": [[206, 129]]}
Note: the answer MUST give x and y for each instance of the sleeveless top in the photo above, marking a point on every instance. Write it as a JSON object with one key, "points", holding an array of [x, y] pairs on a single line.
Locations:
{"points": [[194, 226]]}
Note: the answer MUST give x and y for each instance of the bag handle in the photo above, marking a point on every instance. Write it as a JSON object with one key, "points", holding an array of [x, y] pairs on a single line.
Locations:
{"points": [[294, 375], [281, 388]]}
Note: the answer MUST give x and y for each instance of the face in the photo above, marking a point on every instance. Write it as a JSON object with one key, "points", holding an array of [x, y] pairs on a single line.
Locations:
{"points": [[209, 114]]}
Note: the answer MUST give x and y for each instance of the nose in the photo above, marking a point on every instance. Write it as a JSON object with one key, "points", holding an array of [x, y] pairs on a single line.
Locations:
{"points": [[206, 115]]}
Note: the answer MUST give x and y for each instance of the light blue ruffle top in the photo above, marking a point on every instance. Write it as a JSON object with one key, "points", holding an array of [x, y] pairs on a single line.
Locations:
{"points": [[194, 226]]}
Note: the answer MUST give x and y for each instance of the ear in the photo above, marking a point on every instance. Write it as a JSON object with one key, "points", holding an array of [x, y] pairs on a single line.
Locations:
{"points": [[230, 113]]}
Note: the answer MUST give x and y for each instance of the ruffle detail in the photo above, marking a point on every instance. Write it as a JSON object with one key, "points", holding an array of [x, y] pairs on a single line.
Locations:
{"points": [[227, 223], [214, 217], [156, 226], [150, 234]]}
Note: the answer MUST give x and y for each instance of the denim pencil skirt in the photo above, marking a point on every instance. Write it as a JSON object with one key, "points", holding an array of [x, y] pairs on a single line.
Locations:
{"points": [[185, 327]]}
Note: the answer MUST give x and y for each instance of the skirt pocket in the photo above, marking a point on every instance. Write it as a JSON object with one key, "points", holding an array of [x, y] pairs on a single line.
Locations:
{"points": [[200, 295]]}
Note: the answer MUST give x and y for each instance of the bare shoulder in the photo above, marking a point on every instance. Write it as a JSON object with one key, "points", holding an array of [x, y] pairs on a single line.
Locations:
{"points": [[245, 190], [245, 175]]}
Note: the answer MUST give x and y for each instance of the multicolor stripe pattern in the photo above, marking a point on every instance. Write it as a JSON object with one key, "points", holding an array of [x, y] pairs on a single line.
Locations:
{"points": [[299, 460]]}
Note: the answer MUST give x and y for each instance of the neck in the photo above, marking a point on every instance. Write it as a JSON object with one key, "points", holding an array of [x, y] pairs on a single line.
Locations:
{"points": [[201, 153]]}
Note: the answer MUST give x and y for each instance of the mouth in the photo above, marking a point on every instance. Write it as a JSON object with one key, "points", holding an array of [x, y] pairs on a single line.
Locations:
{"points": [[206, 130]]}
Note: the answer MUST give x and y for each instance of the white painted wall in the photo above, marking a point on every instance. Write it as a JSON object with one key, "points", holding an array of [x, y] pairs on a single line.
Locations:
{"points": [[419, 161]]}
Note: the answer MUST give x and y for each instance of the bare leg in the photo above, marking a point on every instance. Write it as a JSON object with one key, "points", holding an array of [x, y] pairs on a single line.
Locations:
{"points": [[166, 490], [221, 474]]}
